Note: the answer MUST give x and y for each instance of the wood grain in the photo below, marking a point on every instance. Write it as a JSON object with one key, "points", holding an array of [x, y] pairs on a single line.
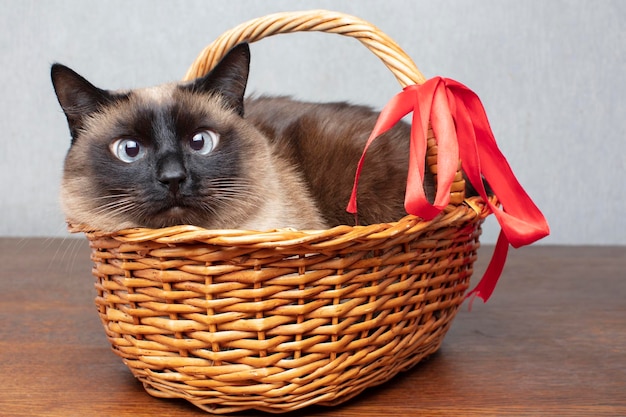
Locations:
{"points": [[551, 342]]}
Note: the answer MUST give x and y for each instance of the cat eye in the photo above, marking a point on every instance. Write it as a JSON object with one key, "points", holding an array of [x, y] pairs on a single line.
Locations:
{"points": [[204, 142], [127, 150]]}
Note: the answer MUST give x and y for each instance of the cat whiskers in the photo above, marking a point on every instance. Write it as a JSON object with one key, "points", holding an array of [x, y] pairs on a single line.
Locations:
{"points": [[220, 201], [229, 198], [231, 190], [122, 203]]}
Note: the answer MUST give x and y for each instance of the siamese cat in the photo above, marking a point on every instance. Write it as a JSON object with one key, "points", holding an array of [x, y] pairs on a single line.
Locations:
{"points": [[199, 153]]}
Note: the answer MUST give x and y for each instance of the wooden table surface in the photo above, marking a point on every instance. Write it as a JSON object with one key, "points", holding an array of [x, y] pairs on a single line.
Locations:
{"points": [[550, 342]]}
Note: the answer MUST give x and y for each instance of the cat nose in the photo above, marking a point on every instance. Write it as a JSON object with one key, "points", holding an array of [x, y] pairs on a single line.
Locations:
{"points": [[172, 175], [173, 183]]}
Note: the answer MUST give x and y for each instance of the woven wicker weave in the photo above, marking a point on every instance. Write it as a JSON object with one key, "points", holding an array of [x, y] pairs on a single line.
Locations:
{"points": [[233, 320]]}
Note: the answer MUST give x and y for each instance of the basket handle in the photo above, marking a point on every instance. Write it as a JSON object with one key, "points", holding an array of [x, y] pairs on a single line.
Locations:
{"points": [[377, 42], [385, 48]]}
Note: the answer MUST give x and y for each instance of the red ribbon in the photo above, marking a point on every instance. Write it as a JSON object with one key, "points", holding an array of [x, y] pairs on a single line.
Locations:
{"points": [[462, 131]]}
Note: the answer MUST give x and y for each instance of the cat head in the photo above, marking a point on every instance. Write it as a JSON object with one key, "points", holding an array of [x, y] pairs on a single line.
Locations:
{"points": [[161, 156]]}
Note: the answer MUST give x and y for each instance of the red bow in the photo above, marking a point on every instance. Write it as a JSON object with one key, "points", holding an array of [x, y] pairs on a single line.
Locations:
{"points": [[462, 131]]}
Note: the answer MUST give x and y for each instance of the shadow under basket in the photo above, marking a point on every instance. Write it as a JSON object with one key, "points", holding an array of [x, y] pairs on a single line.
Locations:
{"points": [[275, 321]]}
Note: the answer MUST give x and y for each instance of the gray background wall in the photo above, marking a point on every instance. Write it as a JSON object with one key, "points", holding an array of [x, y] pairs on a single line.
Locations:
{"points": [[550, 74]]}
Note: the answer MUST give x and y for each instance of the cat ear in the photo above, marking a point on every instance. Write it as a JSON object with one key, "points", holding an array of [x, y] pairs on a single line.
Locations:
{"points": [[228, 78], [77, 96]]}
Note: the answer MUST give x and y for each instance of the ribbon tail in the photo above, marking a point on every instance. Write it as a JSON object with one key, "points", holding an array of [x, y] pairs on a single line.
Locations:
{"points": [[490, 278], [446, 135], [520, 219], [431, 105], [427, 101], [392, 113], [415, 197]]}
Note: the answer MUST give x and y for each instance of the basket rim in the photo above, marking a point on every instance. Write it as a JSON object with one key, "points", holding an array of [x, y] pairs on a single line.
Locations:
{"points": [[287, 237]]}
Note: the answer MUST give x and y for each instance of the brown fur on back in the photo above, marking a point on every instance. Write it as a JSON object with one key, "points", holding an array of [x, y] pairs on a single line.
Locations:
{"points": [[325, 142]]}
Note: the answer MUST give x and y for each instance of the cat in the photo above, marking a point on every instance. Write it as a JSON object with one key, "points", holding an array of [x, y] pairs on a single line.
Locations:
{"points": [[200, 153]]}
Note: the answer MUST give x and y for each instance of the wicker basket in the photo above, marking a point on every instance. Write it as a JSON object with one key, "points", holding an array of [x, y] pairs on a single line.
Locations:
{"points": [[233, 320]]}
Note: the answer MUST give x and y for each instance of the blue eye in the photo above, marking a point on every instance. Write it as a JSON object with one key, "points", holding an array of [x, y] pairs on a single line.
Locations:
{"points": [[204, 142], [127, 150]]}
